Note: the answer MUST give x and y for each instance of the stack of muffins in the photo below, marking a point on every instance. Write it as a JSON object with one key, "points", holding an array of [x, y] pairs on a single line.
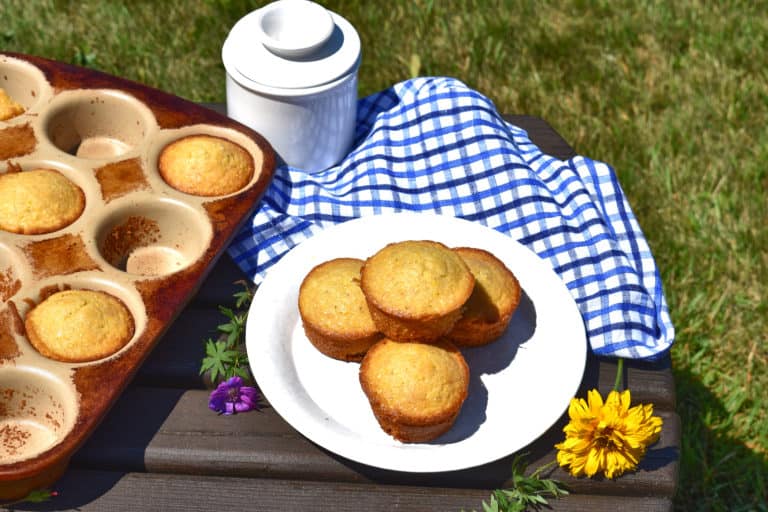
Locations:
{"points": [[404, 313]]}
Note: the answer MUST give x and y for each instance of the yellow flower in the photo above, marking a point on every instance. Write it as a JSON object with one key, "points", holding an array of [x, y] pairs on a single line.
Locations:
{"points": [[606, 437]]}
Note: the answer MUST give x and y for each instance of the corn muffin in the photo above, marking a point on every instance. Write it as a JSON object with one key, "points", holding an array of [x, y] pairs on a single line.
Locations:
{"points": [[8, 107], [79, 325], [334, 312], [416, 289], [205, 165], [416, 390], [38, 201], [492, 303]]}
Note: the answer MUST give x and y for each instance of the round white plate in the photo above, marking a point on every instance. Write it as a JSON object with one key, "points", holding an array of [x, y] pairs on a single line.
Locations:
{"points": [[519, 385]]}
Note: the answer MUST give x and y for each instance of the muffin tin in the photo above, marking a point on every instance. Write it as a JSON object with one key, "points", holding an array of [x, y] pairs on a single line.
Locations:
{"points": [[137, 238]]}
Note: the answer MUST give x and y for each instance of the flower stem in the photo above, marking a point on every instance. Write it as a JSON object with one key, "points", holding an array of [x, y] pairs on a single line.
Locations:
{"points": [[619, 374], [545, 467]]}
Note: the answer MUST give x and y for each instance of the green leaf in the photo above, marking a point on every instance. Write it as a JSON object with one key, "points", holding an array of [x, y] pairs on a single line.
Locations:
{"points": [[227, 312], [227, 328], [493, 507], [36, 496], [39, 496], [232, 339], [226, 357], [216, 357], [242, 372], [243, 299], [527, 492]]}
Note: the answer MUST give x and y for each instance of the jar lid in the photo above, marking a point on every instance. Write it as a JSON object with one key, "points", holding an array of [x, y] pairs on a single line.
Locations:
{"points": [[292, 44]]}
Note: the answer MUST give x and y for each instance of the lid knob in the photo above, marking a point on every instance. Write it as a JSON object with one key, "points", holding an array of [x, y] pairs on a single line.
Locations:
{"points": [[294, 28]]}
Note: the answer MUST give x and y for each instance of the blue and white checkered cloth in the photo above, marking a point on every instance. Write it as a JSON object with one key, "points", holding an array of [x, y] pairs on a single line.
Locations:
{"points": [[435, 145]]}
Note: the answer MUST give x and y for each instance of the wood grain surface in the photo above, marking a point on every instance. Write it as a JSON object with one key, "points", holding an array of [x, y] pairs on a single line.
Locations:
{"points": [[160, 448]]}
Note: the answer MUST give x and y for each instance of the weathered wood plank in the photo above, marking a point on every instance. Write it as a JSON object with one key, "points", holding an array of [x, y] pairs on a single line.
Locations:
{"points": [[85, 491], [543, 135], [177, 434], [647, 382]]}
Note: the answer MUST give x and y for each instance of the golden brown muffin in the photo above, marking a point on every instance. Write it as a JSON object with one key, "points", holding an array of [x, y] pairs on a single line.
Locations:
{"points": [[79, 325], [416, 390], [205, 165], [416, 289], [38, 201], [493, 301], [8, 107], [333, 310]]}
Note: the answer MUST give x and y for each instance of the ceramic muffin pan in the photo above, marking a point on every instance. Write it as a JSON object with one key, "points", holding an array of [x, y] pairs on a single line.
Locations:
{"points": [[137, 238]]}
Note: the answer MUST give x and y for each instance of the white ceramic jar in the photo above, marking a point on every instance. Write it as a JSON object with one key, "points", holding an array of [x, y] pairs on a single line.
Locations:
{"points": [[292, 76]]}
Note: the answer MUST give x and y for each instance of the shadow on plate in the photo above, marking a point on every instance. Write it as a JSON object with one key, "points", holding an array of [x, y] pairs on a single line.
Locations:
{"points": [[488, 360]]}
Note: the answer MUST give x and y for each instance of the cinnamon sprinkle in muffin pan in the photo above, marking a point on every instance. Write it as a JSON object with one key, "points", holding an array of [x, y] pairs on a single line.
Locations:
{"points": [[137, 239]]}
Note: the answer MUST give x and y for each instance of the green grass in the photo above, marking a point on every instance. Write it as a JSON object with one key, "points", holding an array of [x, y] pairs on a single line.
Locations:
{"points": [[674, 95]]}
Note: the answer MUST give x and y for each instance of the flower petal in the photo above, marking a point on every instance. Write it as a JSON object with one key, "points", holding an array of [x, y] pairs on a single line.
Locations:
{"points": [[595, 400], [234, 382], [592, 465], [608, 437]]}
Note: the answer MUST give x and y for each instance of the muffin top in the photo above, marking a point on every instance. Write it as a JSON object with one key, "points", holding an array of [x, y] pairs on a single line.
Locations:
{"points": [[497, 291], [79, 325], [331, 300], [38, 201], [416, 279], [205, 165], [8, 107], [415, 381]]}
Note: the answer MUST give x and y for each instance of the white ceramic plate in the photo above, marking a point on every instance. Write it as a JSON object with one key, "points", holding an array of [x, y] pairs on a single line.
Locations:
{"points": [[519, 386]]}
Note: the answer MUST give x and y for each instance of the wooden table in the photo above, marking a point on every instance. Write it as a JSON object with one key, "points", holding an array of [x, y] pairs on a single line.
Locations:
{"points": [[161, 448]]}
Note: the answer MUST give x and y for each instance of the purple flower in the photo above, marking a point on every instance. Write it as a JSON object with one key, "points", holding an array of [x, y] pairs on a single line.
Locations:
{"points": [[231, 397]]}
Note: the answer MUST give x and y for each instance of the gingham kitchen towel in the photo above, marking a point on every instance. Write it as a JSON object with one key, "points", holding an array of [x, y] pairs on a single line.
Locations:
{"points": [[435, 145]]}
